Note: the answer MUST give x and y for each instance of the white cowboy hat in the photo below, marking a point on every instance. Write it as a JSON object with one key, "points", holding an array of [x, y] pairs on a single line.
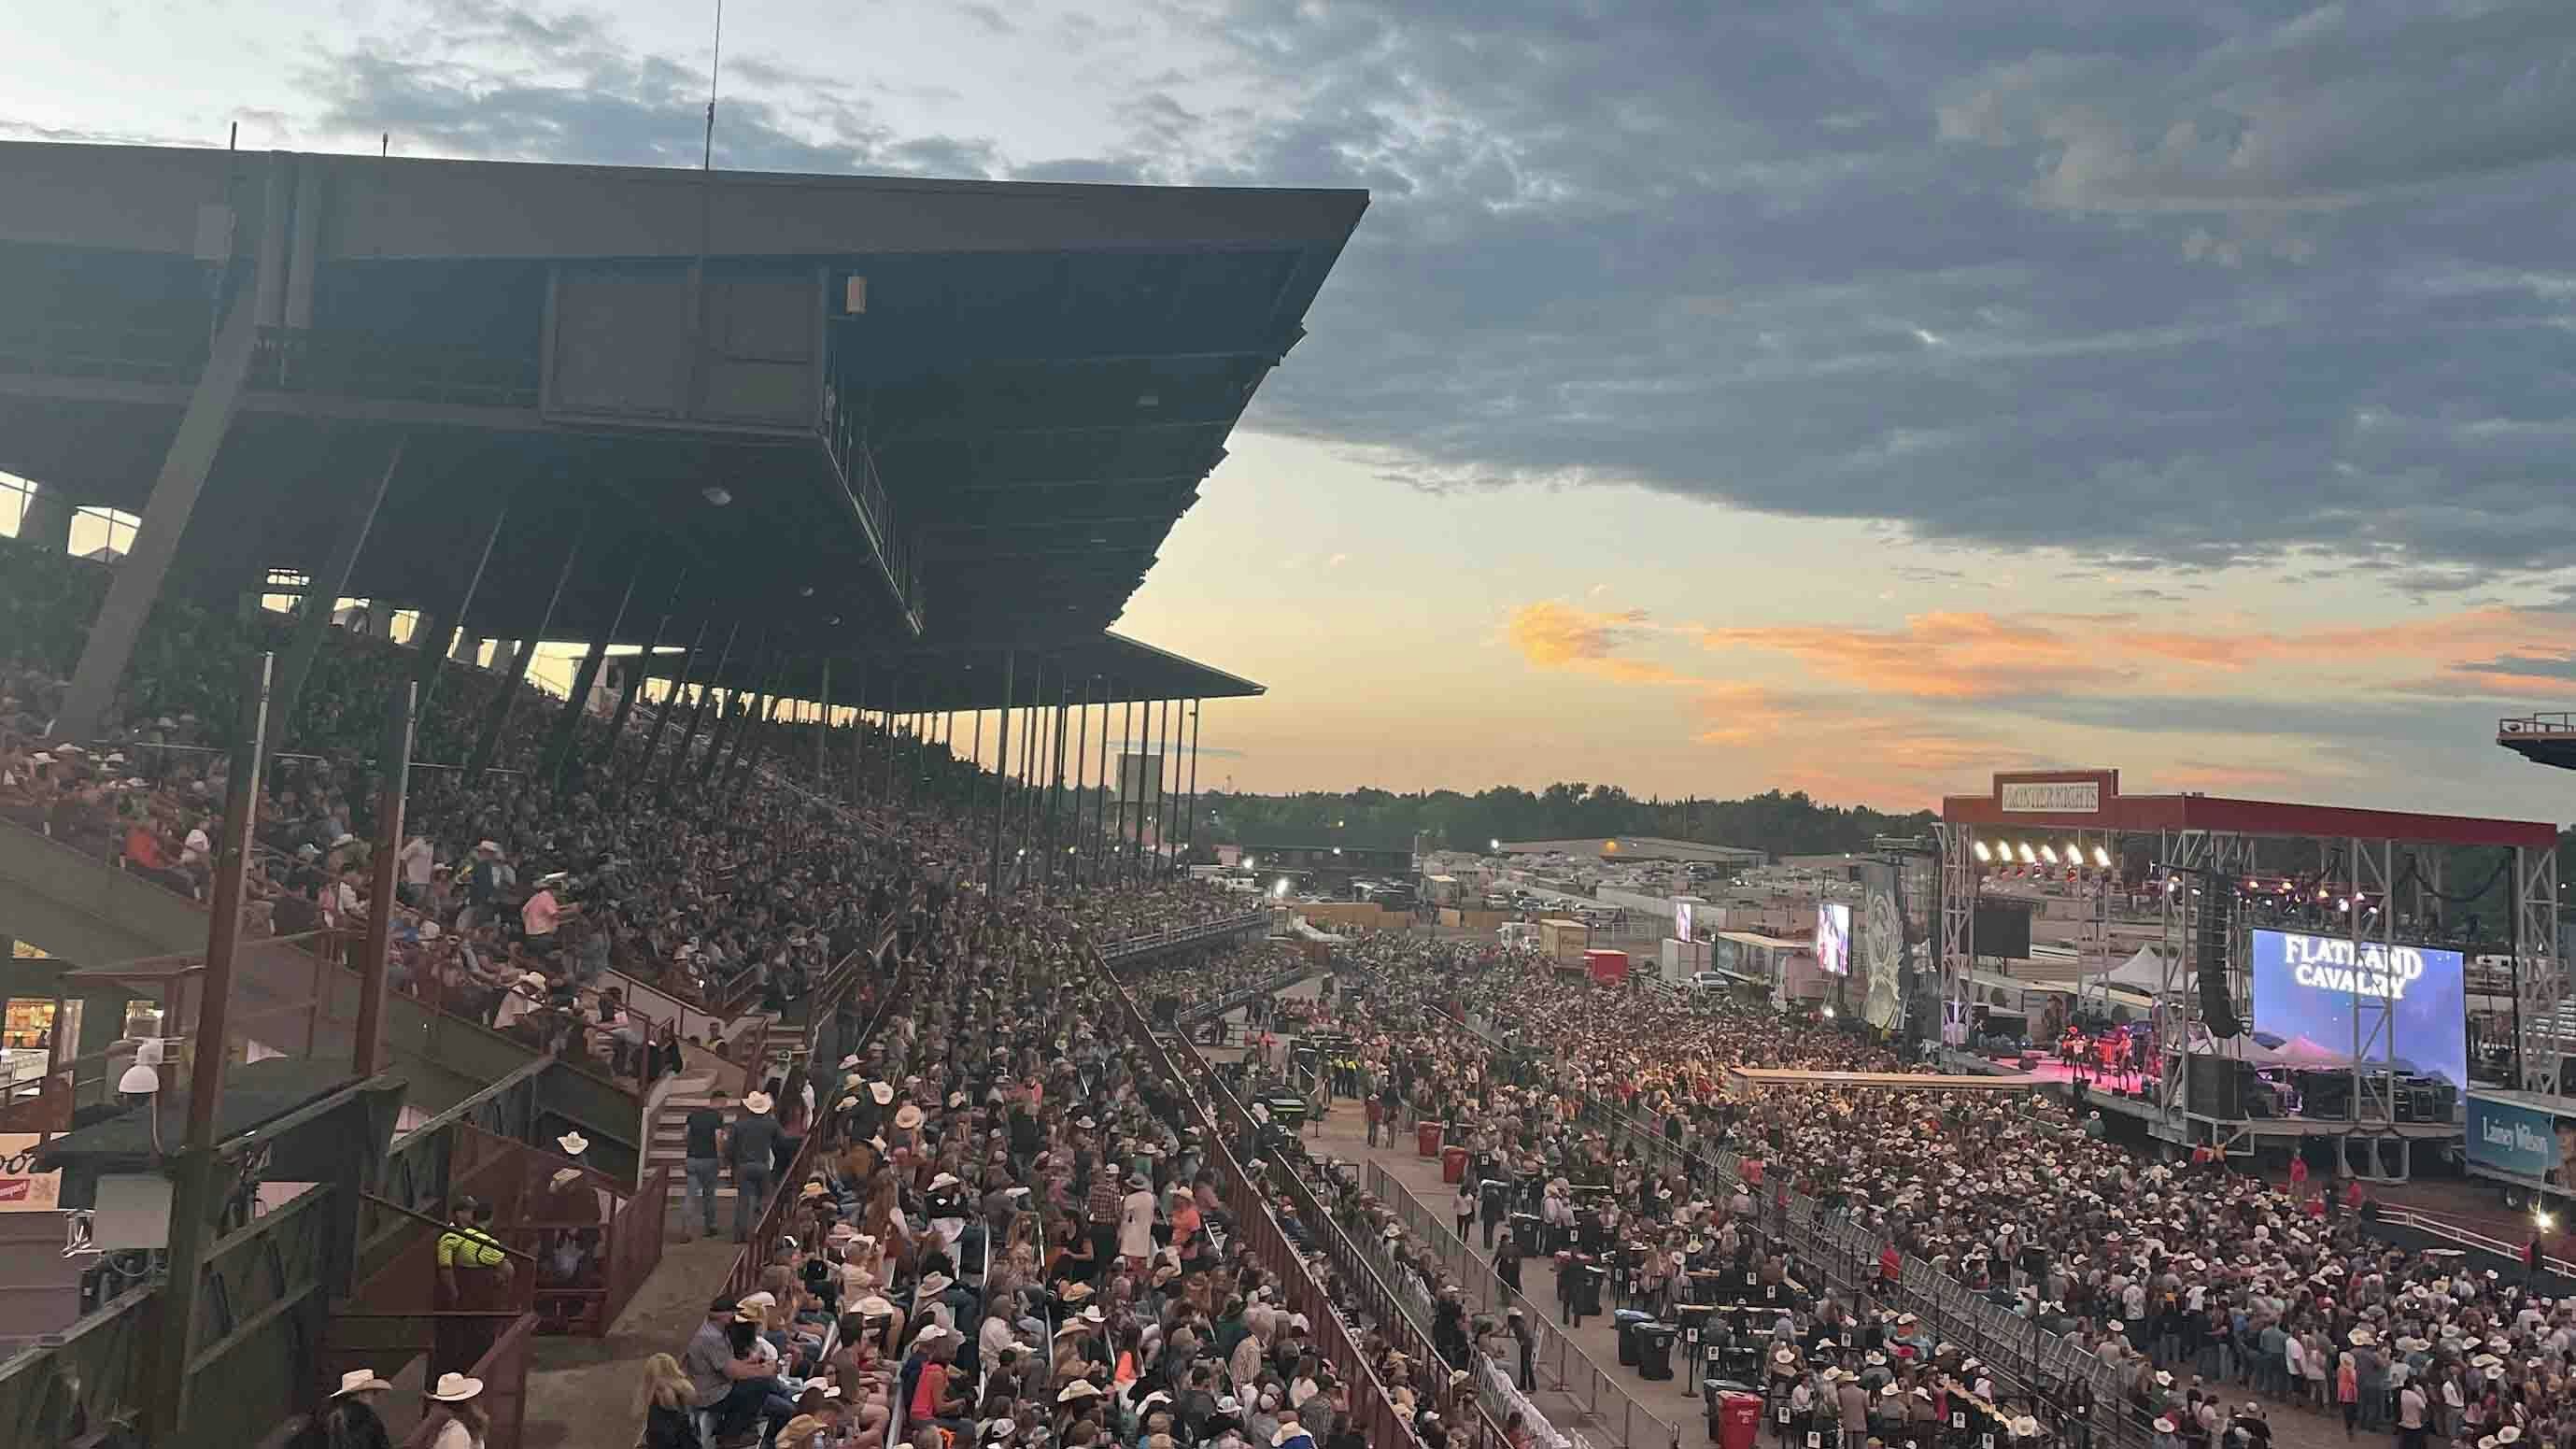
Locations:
{"points": [[360, 1381], [907, 1118], [456, 1388], [883, 1092], [1078, 1389], [757, 1104], [532, 978], [849, 1061], [573, 1144]]}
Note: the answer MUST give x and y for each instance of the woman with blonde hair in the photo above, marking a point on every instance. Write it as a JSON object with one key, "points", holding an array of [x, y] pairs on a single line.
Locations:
{"points": [[669, 1404], [458, 1418]]}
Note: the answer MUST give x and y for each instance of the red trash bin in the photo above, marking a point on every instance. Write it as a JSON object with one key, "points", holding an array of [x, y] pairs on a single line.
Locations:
{"points": [[1426, 1138], [1453, 1164], [1739, 1419]]}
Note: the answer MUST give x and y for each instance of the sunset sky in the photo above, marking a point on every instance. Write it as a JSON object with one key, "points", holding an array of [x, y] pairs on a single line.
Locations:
{"points": [[1849, 398]]}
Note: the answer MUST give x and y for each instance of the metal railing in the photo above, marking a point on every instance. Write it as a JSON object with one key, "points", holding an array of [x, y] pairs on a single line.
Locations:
{"points": [[1136, 946], [1270, 986], [1555, 1356], [1222, 1120]]}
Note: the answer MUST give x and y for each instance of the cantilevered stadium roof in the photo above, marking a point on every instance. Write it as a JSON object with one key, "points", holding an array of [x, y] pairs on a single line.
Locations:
{"points": [[1108, 669], [859, 414]]}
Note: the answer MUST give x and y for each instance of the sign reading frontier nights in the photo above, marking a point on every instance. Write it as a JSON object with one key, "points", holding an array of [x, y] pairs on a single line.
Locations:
{"points": [[2330, 963], [2051, 797]]}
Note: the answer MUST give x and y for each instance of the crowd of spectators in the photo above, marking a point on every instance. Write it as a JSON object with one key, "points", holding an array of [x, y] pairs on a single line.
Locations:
{"points": [[1009, 1233], [2218, 1294]]}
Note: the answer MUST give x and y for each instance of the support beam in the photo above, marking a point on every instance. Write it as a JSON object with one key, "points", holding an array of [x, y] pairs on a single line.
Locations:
{"points": [[558, 749], [194, 1198], [1076, 858], [823, 733], [509, 695], [698, 711], [323, 588], [673, 700], [393, 779], [1100, 806], [435, 649], [1197, 708], [139, 575], [47, 522], [635, 681], [1001, 774]]}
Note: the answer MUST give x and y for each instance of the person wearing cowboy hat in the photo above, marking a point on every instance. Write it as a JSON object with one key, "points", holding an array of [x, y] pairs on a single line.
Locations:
{"points": [[751, 1146], [349, 1420], [459, 1420]]}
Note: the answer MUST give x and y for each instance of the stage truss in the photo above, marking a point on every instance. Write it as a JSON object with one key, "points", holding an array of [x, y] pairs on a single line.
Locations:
{"points": [[2353, 867]]}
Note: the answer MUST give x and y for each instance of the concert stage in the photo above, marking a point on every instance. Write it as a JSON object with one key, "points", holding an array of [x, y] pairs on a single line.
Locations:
{"points": [[1749, 1077]]}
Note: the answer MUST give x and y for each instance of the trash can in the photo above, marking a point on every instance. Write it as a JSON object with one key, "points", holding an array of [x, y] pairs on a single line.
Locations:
{"points": [[1453, 1164], [1624, 1321], [1735, 1420], [1426, 1138], [1655, 1350]]}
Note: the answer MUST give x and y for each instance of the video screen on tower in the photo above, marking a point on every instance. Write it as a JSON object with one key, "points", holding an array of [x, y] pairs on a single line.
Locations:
{"points": [[2304, 988], [1833, 938]]}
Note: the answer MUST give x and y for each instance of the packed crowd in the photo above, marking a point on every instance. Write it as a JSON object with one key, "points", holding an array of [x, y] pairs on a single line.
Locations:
{"points": [[1009, 1236], [2216, 1293]]}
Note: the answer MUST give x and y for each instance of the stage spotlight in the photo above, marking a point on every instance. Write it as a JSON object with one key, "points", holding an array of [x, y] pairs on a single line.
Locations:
{"points": [[2048, 853], [1983, 853], [2074, 853], [2027, 858], [2342, 903], [2102, 857]]}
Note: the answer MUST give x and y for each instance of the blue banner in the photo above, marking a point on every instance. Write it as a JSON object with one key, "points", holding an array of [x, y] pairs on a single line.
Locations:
{"points": [[2512, 1139]]}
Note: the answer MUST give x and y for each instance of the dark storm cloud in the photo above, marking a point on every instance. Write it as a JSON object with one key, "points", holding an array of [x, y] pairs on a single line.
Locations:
{"points": [[2193, 290], [2167, 285]]}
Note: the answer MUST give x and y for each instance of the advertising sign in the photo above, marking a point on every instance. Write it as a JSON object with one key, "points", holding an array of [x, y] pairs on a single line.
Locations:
{"points": [[2512, 1139], [1833, 938], [2052, 797], [2305, 986], [1681, 920], [22, 1189]]}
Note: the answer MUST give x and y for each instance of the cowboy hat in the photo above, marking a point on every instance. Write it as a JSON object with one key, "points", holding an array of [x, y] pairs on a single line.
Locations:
{"points": [[907, 1118], [811, 1189], [873, 1306], [456, 1388], [564, 1177], [757, 1104], [883, 1092], [1139, 1181], [1077, 1390], [849, 1061], [360, 1381], [573, 1144]]}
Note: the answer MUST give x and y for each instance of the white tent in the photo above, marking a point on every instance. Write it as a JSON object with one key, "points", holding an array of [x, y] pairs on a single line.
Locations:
{"points": [[2143, 973]]}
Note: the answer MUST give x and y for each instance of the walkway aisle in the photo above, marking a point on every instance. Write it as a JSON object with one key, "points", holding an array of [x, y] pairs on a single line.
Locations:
{"points": [[581, 1391]]}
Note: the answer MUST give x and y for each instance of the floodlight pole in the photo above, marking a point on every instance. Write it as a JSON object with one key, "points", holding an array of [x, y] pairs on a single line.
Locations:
{"points": [[192, 1191], [1001, 776], [1074, 863]]}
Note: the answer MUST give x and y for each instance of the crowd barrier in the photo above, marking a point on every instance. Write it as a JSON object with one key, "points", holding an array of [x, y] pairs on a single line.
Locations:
{"points": [[1557, 1359], [1135, 947]]}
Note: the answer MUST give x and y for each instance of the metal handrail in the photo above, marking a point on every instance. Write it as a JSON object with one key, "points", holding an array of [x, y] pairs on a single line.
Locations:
{"points": [[1182, 935]]}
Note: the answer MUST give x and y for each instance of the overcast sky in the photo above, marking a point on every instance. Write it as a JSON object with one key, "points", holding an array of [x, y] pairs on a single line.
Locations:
{"points": [[1856, 397]]}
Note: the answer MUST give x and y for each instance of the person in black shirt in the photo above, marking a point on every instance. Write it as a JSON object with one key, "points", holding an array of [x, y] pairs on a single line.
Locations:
{"points": [[704, 1159]]}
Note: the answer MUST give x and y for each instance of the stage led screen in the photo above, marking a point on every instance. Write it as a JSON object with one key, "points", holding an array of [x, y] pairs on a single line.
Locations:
{"points": [[1833, 938], [1681, 920], [2304, 988]]}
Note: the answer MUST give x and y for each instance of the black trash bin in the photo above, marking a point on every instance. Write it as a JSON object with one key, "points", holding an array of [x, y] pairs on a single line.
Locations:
{"points": [[1655, 1349], [1625, 1321]]}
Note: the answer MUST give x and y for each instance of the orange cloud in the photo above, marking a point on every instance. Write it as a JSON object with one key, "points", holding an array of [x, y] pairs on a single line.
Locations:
{"points": [[1552, 634], [1955, 656]]}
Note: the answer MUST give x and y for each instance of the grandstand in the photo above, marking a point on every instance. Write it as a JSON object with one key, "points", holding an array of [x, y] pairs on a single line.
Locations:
{"points": [[861, 467]]}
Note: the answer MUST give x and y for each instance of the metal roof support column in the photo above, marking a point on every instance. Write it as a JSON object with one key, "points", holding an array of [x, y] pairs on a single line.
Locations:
{"points": [[746, 719], [1100, 806], [1001, 779], [698, 710], [1191, 797], [1074, 840], [823, 735], [184, 470], [500, 718], [635, 681], [585, 678], [322, 590], [1055, 784], [729, 718], [858, 735], [193, 1194], [1126, 751], [393, 779], [1167, 781], [894, 742], [47, 521], [674, 698], [975, 777], [755, 743]]}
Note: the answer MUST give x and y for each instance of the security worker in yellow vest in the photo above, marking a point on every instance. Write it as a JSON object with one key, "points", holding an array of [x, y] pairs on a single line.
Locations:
{"points": [[473, 1267]]}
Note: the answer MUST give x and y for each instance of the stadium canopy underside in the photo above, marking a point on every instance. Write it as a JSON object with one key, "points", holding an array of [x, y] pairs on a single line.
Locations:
{"points": [[859, 416], [1107, 669]]}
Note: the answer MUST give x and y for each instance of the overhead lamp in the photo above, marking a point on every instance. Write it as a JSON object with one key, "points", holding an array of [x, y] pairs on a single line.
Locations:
{"points": [[139, 1081], [1983, 853], [2074, 853], [806, 592], [715, 495], [2027, 857], [2048, 853], [2102, 857]]}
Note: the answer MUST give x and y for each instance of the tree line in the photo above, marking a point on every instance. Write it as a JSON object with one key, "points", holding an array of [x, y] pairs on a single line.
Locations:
{"points": [[1784, 824]]}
